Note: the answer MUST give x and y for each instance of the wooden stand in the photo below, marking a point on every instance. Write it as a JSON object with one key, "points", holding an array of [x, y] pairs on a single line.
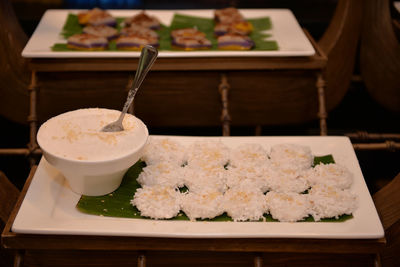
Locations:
{"points": [[97, 250], [262, 91], [182, 91]]}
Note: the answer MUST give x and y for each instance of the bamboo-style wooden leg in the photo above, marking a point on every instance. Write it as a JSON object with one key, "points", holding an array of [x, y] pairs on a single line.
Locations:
{"points": [[258, 130], [32, 149], [387, 145], [363, 135], [32, 117], [223, 89], [378, 262], [322, 115], [382, 141], [19, 258], [258, 262], [141, 260]]}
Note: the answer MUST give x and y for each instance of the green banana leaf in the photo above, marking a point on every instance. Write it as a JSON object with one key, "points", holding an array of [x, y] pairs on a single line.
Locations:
{"points": [[179, 21], [117, 204]]}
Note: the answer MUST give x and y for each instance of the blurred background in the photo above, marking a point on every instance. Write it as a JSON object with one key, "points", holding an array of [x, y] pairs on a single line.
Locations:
{"points": [[358, 111]]}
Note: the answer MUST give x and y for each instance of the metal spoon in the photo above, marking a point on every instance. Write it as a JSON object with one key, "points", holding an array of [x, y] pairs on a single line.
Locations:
{"points": [[146, 60]]}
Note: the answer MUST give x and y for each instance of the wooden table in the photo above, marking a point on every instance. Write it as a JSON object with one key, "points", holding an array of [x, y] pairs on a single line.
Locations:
{"points": [[227, 91], [80, 250]]}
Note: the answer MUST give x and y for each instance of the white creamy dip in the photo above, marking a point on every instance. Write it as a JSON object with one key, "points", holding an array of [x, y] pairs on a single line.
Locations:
{"points": [[77, 135]]}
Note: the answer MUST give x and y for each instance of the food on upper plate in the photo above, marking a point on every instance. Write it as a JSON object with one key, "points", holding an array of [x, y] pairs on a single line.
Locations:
{"points": [[228, 15], [96, 16], [191, 43], [188, 32], [139, 31], [88, 42], [241, 27], [189, 39], [235, 42], [101, 31], [135, 42], [144, 20]]}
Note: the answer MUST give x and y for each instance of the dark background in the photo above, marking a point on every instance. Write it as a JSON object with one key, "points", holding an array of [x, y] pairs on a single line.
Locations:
{"points": [[357, 112]]}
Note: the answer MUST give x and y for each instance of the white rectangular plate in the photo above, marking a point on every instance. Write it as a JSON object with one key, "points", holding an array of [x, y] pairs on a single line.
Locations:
{"points": [[285, 30], [49, 205]]}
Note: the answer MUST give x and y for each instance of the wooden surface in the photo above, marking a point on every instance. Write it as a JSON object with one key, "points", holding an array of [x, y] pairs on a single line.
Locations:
{"points": [[207, 249], [67, 84], [387, 201], [8, 197], [173, 258], [339, 43], [380, 55], [179, 64], [14, 74], [184, 92]]}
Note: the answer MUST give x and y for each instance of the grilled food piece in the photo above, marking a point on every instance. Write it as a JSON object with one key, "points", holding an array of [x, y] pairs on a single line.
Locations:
{"points": [[135, 42], [96, 16], [235, 42], [241, 27], [191, 43], [188, 32], [189, 39], [101, 31], [144, 20], [139, 31], [87, 42], [228, 15]]}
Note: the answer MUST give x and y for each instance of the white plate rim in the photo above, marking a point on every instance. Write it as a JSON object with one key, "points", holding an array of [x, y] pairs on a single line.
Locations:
{"points": [[286, 31], [49, 206]]}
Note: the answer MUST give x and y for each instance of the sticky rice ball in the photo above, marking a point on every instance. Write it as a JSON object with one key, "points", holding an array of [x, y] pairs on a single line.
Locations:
{"points": [[162, 173], [206, 204], [248, 175], [164, 150], [248, 154], [207, 153], [243, 204], [157, 202], [288, 207], [95, 17], [329, 202], [200, 178], [333, 174], [286, 180], [291, 156]]}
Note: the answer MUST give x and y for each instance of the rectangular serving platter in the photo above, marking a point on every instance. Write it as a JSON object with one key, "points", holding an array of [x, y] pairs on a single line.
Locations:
{"points": [[285, 30], [49, 206]]}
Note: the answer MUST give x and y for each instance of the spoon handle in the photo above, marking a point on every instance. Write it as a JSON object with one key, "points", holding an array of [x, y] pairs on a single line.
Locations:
{"points": [[146, 60]]}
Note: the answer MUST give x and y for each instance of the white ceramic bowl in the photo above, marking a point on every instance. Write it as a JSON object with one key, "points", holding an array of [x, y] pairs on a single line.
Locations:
{"points": [[93, 177]]}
